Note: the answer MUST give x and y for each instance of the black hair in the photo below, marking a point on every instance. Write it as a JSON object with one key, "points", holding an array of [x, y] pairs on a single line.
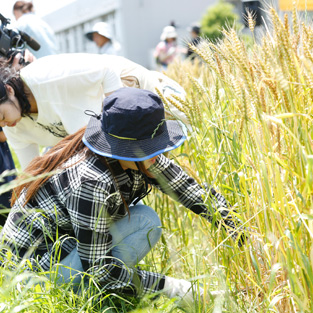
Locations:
{"points": [[196, 29], [9, 76]]}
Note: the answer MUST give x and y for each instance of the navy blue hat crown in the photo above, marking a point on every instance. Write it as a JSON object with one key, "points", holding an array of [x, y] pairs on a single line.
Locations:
{"points": [[132, 127], [135, 118]]}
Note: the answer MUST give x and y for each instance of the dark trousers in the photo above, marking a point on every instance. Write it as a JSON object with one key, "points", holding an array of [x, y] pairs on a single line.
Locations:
{"points": [[6, 163]]}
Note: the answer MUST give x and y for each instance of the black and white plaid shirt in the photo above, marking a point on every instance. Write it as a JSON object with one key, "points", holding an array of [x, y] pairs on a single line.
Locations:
{"points": [[78, 204]]}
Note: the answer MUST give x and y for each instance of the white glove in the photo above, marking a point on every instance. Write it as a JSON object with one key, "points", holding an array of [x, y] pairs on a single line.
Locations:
{"points": [[182, 289]]}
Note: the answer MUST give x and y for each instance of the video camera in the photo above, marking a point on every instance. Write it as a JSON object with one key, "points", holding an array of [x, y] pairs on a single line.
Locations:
{"points": [[13, 41]]}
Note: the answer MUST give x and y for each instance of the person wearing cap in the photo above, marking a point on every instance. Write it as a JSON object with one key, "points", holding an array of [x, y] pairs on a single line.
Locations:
{"points": [[91, 199], [45, 101], [166, 50], [102, 35]]}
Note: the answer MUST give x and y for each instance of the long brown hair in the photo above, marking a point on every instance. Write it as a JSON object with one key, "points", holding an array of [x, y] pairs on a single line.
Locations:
{"points": [[49, 162], [53, 159]]}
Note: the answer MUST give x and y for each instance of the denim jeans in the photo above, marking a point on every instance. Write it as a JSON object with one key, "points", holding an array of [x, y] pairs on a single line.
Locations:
{"points": [[133, 237]]}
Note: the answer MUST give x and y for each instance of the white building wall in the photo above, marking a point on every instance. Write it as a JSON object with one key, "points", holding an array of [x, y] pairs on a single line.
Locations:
{"points": [[137, 24], [71, 22]]}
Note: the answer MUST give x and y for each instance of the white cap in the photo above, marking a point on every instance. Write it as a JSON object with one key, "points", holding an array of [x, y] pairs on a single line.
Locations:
{"points": [[103, 29], [168, 32]]}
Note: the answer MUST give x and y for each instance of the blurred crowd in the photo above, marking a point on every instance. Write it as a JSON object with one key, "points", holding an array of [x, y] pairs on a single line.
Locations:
{"points": [[102, 35], [168, 49]]}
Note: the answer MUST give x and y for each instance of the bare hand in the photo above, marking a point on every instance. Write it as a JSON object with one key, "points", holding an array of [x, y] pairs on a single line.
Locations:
{"points": [[28, 57]]}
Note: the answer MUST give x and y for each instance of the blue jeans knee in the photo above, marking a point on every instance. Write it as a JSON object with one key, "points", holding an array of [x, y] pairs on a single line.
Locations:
{"points": [[135, 235]]}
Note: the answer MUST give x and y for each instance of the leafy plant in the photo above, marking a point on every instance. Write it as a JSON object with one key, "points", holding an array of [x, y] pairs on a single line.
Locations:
{"points": [[217, 18]]}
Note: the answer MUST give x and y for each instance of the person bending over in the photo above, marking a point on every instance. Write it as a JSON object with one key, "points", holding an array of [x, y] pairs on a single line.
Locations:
{"points": [[45, 101], [92, 200]]}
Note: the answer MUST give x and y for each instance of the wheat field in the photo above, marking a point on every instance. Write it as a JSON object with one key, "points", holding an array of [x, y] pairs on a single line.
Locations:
{"points": [[250, 110]]}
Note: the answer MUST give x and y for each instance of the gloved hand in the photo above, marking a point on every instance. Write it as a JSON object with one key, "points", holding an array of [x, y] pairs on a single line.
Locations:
{"points": [[229, 221], [183, 290]]}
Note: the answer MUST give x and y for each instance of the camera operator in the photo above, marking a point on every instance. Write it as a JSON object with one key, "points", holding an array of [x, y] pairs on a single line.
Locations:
{"points": [[27, 21]]}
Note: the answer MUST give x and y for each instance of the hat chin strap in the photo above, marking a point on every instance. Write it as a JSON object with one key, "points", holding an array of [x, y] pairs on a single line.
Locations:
{"points": [[137, 165], [146, 183]]}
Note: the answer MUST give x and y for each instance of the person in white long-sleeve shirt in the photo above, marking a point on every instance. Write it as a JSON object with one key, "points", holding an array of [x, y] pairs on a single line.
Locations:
{"points": [[51, 95]]}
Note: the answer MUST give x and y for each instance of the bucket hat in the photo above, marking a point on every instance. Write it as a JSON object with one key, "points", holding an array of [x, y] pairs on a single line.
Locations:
{"points": [[102, 28], [168, 32], [132, 127]]}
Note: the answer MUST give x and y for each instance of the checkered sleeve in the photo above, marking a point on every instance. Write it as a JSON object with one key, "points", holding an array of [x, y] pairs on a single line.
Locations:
{"points": [[172, 180], [90, 207], [22, 235]]}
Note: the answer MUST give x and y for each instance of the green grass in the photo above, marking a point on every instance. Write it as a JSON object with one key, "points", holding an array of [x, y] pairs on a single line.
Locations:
{"points": [[251, 114], [15, 159]]}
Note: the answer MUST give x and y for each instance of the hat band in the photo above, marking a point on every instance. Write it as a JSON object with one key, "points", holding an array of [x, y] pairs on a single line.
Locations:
{"points": [[122, 137]]}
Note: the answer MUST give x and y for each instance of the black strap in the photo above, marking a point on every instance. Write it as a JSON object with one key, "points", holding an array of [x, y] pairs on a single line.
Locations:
{"points": [[146, 185]]}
